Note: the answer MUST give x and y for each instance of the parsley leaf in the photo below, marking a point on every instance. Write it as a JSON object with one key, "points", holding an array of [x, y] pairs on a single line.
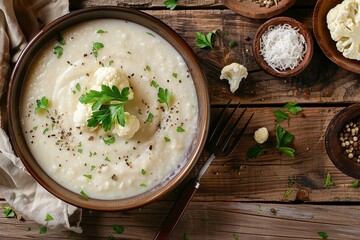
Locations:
{"points": [[174, 74], [88, 176], [235, 236], [171, 4], [58, 51], [93, 167], [280, 115], [355, 184], [48, 217], [149, 118], [154, 84], [118, 229], [60, 40], [84, 194], [101, 31], [42, 104], [164, 96], [43, 230], [109, 141], [203, 40], [328, 181], [111, 62], [323, 235], [151, 34], [148, 68], [287, 193], [96, 46], [143, 185], [180, 129], [293, 108], [105, 113], [143, 172], [255, 151], [232, 44], [166, 139], [288, 151], [283, 138], [9, 212]]}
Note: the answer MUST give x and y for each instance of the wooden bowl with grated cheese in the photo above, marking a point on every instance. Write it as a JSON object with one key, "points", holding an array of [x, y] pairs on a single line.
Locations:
{"points": [[283, 47]]}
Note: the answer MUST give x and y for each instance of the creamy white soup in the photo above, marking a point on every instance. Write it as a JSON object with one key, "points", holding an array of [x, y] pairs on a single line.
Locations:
{"points": [[116, 149]]}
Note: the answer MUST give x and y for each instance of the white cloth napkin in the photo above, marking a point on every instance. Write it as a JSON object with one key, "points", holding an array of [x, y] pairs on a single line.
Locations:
{"points": [[20, 20]]}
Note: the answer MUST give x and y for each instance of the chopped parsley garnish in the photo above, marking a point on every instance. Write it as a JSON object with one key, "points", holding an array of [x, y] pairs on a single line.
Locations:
{"points": [[149, 118], [43, 230], [180, 129], [101, 31], [143, 185], [58, 51], [148, 68], [60, 40], [109, 141], [281, 115], [171, 4], [42, 104], [287, 193], [118, 229], [255, 151], [164, 96], [96, 47], [48, 217], [166, 139], [78, 87], [107, 159], [154, 84], [328, 181], [151, 34], [126, 142], [232, 44], [9, 212], [143, 172], [84, 194], [92, 154], [111, 62], [128, 52], [235, 236], [35, 128], [323, 235], [174, 75], [355, 184], [79, 148], [45, 130], [293, 108], [88, 176], [106, 113], [203, 40], [291, 182], [93, 167]]}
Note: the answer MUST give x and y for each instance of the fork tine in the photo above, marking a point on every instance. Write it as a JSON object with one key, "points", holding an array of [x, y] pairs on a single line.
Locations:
{"points": [[232, 130], [220, 134], [238, 137], [218, 121]]}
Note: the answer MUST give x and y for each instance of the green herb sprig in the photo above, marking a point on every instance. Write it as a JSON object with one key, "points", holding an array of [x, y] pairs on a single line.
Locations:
{"points": [[164, 96], [107, 106], [171, 4], [204, 41], [42, 104]]}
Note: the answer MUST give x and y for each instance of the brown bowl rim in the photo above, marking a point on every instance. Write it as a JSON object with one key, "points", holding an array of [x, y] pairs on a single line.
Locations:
{"points": [[15, 89], [319, 22], [302, 29], [331, 137]]}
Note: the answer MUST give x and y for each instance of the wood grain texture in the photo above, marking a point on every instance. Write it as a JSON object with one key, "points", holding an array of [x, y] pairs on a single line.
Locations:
{"points": [[217, 220]]}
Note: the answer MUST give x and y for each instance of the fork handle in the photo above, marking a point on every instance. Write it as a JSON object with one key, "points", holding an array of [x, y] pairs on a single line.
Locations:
{"points": [[177, 210]]}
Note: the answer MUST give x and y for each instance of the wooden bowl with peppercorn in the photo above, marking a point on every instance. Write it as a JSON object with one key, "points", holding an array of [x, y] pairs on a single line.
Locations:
{"points": [[283, 47], [342, 140]]}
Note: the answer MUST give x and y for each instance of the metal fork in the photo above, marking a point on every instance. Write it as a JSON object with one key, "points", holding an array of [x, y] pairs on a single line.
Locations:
{"points": [[221, 143]]}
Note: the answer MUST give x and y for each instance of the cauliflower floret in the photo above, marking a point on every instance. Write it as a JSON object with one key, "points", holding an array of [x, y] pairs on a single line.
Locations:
{"points": [[234, 73], [110, 76], [343, 21], [132, 125], [261, 135], [81, 115]]}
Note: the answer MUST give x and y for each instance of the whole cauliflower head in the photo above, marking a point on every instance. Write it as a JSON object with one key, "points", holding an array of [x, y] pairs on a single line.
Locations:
{"points": [[234, 73], [110, 76], [343, 21], [132, 125], [261, 135]]}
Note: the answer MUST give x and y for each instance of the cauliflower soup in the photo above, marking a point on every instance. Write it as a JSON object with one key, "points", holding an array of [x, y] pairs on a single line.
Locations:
{"points": [[109, 109]]}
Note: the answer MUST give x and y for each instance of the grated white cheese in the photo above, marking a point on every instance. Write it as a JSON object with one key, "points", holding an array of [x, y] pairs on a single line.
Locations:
{"points": [[282, 47]]}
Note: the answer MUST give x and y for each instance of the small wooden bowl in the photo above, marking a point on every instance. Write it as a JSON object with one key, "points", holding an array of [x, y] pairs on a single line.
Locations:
{"points": [[250, 9], [302, 30], [333, 145], [322, 35]]}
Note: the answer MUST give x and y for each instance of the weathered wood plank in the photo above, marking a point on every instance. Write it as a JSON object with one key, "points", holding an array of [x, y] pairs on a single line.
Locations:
{"points": [[208, 220], [76, 4]]}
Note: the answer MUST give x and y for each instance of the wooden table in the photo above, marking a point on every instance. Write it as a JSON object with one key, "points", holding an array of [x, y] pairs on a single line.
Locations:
{"points": [[241, 197]]}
